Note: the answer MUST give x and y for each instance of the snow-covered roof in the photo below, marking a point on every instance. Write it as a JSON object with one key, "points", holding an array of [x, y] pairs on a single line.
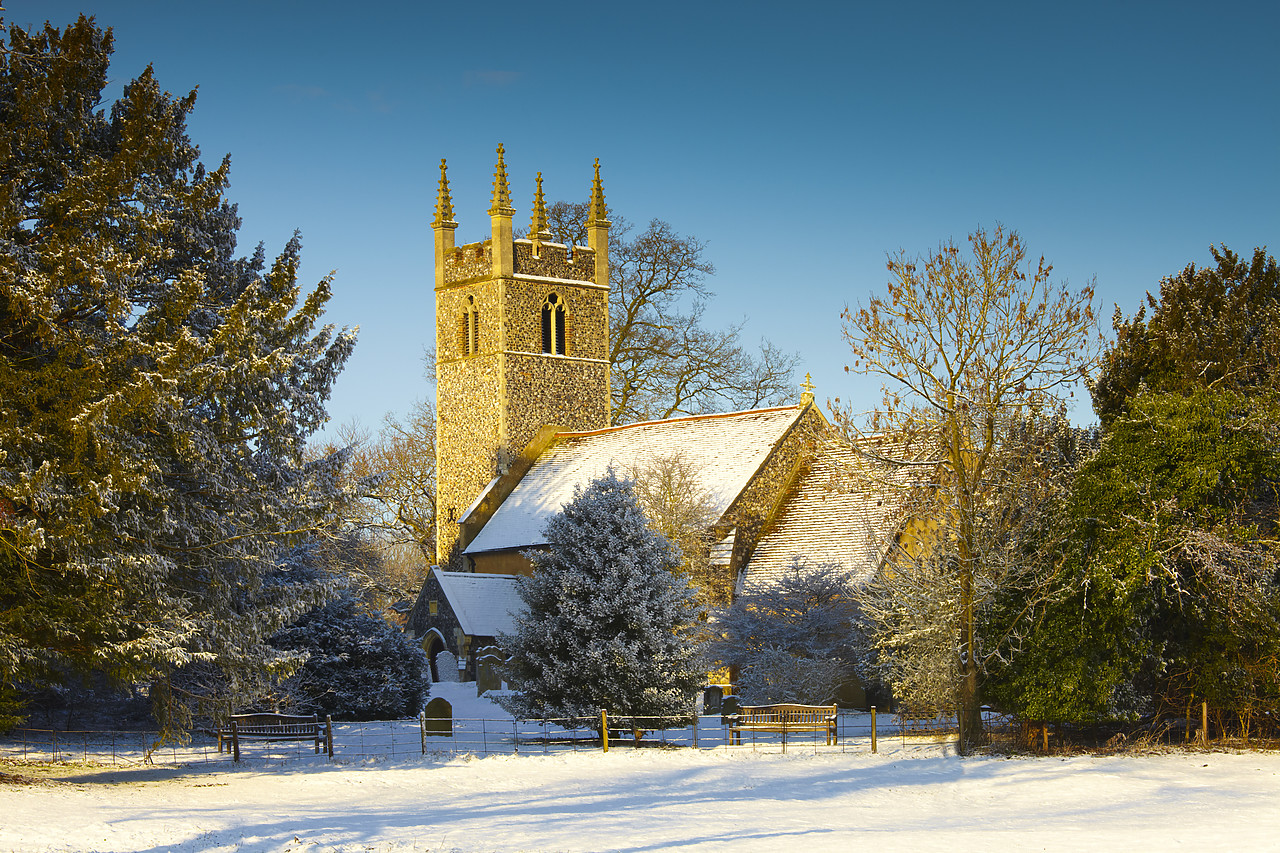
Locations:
{"points": [[484, 604], [826, 520], [724, 451]]}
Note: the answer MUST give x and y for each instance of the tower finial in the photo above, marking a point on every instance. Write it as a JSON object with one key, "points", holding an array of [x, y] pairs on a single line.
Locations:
{"points": [[538, 227], [501, 190], [597, 211], [444, 202], [808, 386]]}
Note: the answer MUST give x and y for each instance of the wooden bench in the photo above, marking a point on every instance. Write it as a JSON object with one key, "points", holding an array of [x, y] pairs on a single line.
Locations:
{"points": [[275, 727], [785, 717]]}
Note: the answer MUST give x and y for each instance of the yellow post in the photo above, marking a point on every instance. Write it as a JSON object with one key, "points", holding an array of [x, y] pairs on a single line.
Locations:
{"points": [[873, 728], [604, 729], [1204, 723]]}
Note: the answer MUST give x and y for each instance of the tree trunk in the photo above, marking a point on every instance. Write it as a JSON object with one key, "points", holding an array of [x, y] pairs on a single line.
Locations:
{"points": [[969, 710]]}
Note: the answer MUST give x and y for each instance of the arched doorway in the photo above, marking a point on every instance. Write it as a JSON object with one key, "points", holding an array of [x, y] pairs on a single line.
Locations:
{"points": [[432, 645]]}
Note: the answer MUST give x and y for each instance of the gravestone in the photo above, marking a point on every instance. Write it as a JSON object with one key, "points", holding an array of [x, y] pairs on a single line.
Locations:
{"points": [[447, 666], [489, 661], [711, 699], [729, 707], [438, 717]]}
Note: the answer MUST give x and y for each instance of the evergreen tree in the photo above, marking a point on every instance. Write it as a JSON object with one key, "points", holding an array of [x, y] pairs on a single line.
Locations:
{"points": [[1167, 589], [610, 623], [156, 391], [1216, 326], [358, 667], [1165, 580]]}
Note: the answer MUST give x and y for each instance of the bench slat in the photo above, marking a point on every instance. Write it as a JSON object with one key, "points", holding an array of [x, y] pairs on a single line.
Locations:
{"points": [[275, 727], [786, 717]]}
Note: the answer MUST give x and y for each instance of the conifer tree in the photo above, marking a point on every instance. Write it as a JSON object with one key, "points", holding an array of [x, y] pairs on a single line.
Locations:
{"points": [[610, 623], [1211, 327], [1164, 587], [156, 391]]}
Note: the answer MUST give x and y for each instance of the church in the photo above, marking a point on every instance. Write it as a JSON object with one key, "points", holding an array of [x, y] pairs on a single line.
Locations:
{"points": [[523, 409]]}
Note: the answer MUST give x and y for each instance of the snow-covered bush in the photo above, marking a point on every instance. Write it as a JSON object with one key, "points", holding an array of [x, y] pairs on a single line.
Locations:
{"points": [[797, 639], [360, 668], [776, 675], [610, 622]]}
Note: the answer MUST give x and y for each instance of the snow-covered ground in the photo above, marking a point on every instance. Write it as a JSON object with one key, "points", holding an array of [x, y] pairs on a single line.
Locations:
{"points": [[653, 800], [906, 798]]}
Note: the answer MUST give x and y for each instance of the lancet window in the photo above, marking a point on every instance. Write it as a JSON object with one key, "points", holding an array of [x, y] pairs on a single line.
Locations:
{"points": [[469, 329], [554, 326]]}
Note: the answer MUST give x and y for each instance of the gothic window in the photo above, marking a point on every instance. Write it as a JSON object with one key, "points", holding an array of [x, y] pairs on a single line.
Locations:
{"points": [[554, 326], [469, 329]]}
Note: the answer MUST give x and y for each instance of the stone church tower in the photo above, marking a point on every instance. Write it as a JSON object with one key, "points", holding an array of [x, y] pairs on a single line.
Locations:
{"points": [[522, 341]]}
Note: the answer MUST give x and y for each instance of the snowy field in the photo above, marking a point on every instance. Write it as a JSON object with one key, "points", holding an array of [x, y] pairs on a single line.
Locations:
{"points": [[650, 800], [909, 797]]}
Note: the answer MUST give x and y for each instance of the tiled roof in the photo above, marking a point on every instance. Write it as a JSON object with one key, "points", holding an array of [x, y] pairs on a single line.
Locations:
{"points": [[824, 521], [484, 604], [725, 451]]}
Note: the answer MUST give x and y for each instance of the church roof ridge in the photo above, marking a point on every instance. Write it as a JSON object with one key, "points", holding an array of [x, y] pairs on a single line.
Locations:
{"points": [[681, 419]]}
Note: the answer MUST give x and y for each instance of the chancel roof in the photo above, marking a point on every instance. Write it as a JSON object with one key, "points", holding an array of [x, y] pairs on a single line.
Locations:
{"points": [[484, 604], [723, 451], [829, 518]]}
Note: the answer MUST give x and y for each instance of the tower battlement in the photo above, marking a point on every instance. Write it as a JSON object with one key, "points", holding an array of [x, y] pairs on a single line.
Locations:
{"points": [[556, 260], [474, 261]]}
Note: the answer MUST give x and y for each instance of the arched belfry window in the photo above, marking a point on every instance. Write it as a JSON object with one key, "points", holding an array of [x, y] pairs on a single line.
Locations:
{"points": [[469, 329], [554, 326]]}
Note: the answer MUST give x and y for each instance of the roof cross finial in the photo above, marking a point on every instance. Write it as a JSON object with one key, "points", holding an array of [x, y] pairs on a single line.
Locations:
{"points": [[501, 190], [808, 386], [444, 202]]}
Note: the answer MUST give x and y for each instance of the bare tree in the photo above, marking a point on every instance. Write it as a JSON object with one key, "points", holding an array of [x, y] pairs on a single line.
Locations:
{"points": [[392, 475], [665, 361], [680, 508], [970, 348]]}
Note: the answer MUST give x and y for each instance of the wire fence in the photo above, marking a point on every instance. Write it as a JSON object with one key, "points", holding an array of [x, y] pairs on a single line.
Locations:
{"points": [[855, 731]]}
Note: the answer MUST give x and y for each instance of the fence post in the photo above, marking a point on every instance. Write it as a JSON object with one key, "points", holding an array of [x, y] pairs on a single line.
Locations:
{"points": [[235, 741], [873, 729], [422, 729], [328, 735], [1204, 723], [696, 720], [604, 729]]}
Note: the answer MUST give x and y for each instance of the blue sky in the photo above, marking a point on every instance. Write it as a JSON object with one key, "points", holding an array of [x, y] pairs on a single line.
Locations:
{"points": [[802, 141]]}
